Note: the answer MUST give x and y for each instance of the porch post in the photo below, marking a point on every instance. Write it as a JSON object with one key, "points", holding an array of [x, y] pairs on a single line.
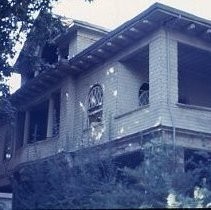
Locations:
{"points": [[26, 127], [50, 118]]}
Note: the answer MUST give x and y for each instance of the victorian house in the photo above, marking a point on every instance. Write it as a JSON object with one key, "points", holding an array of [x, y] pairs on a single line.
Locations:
{"points": [[149, 79]]}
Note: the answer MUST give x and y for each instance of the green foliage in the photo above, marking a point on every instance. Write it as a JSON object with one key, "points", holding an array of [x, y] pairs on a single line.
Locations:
{"points": [[16, 17], [53, 184], [157, 182], [7, 111]]}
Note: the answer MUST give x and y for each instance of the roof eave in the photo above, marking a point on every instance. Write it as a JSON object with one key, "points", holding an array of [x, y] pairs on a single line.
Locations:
{"points": [[109, 45]]}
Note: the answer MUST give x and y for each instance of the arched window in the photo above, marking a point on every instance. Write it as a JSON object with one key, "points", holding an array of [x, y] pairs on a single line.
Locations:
{"points": [[144, 94], [95, 104]]}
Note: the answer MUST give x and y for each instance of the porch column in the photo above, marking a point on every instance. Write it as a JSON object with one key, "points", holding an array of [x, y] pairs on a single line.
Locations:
{"points": [[50, 118], [158, 70], [26, 127]]}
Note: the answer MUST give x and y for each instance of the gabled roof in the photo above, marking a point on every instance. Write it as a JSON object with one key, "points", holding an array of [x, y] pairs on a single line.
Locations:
{"points": [[74, 25], [156, 16], [71, 26]]}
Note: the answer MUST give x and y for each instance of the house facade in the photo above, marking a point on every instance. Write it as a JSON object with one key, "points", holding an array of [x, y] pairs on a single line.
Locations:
{"points": [[149, 79]]}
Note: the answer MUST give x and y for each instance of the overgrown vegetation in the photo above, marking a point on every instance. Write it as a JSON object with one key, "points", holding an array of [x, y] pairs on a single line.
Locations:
{"points": [[18, 19], [154, 183]]}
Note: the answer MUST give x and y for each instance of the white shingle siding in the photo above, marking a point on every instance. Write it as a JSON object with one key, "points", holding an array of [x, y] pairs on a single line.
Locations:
{"points": [[80, 40], [85, 39], [129, 83], [84, 82], [121, 86], [67, 114]]}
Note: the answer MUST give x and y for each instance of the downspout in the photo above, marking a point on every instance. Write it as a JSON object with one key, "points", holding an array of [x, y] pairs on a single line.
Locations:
{"points": [[168, 91]]}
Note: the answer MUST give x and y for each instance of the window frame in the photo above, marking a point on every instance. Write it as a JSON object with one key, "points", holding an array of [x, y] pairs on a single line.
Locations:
{"points": [[143, 92], [95, 108]]}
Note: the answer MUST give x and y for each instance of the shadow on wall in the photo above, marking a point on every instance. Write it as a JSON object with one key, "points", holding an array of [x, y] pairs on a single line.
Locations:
{"points": [[194, 76]]}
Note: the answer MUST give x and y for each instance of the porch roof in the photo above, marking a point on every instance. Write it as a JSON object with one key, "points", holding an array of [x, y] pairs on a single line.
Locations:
{"points": [[156, 16]]}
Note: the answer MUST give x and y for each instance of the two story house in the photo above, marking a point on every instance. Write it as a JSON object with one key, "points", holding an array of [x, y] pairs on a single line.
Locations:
{"points": [[149, 79]]}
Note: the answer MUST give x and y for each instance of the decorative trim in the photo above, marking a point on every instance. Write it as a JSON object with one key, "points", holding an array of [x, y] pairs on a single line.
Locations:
{"points": [[189, 106], [132, 111]]}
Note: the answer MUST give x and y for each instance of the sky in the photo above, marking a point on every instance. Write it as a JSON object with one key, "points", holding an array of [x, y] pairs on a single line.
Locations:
{"points": [[112, 13]]}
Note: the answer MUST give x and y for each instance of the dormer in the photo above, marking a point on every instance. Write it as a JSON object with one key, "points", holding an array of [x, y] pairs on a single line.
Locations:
{"points": [[79, 36], [36, 57]]}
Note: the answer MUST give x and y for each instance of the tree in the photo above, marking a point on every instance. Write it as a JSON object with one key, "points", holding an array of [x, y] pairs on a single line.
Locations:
{"points": [[17, 17]]}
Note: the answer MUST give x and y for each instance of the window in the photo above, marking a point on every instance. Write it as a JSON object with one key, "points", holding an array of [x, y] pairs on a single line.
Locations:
{"points": [[49, 53], [144, 94], [95, 104], [38, 122], [194, 76]]}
